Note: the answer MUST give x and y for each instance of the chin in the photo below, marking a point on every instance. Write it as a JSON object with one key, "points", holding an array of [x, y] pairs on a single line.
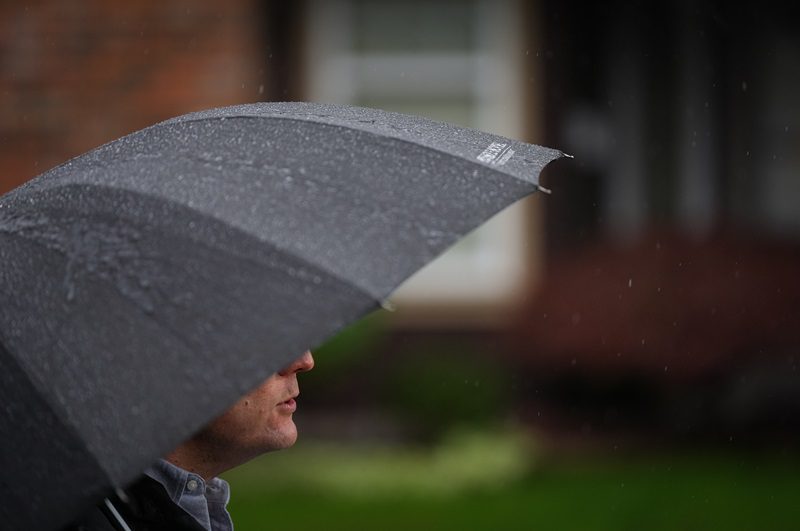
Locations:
{"points": [[281, 439], [289, 440]]}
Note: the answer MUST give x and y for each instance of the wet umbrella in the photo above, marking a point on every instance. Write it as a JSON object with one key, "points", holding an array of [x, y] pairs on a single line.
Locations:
{"points": [[148, 284]]}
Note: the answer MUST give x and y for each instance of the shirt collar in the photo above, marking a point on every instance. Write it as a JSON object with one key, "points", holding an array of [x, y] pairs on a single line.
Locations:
{"points": [[176, 480], [205, 500]]}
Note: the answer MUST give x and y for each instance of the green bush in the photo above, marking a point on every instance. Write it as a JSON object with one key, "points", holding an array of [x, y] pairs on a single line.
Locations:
{"points": [[337, 358], [447, 385]]}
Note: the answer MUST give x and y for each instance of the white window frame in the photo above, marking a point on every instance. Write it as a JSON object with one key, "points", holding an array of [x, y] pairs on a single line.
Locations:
{"points": [[502, 256]]}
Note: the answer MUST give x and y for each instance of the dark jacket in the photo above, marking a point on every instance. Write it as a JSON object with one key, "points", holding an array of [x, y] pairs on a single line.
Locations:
{"points": [[148, 508]]}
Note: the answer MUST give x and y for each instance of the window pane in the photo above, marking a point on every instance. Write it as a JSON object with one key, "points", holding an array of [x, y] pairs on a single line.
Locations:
{"points": [[414, 25]]}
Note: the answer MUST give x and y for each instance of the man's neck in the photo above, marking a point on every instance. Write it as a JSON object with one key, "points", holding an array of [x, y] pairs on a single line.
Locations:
{"points": [[197, 460]]}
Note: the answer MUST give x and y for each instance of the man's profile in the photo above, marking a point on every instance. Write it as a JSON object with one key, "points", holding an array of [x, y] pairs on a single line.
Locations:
{"points": [[182, 491]]}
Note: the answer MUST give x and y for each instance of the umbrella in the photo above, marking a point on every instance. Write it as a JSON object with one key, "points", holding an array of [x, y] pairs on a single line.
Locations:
{"points": [[149, 283]]}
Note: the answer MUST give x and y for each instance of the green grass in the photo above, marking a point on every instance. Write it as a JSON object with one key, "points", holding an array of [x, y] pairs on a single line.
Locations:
{"points": [[478, 481]]}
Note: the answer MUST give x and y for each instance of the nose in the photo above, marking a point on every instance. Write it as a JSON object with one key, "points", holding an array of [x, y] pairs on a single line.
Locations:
{"points": [[302, 364]]}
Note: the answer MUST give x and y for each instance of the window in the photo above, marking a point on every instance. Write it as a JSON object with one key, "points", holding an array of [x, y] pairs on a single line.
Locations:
{"points": [[456, 61]]}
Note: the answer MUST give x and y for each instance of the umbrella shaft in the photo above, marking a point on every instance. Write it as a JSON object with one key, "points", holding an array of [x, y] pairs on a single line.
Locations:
{"points": [[113, 516]]}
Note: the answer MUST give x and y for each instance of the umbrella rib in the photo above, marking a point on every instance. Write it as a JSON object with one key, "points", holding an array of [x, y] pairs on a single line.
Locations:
{"points": [[53, 333], [272, 245], [59, 413], [557, 154], [319, 268]]}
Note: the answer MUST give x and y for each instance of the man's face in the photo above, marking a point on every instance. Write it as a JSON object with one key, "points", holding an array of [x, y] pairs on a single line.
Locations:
{"points": [[261, 421]]}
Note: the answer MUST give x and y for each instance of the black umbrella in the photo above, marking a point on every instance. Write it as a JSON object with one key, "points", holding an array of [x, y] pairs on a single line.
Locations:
{"points": [[148, 284]]}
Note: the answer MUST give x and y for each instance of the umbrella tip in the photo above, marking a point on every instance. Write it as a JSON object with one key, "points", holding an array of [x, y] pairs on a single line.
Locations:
{"points": [[568, 155], [548, 191], [388, 306]]}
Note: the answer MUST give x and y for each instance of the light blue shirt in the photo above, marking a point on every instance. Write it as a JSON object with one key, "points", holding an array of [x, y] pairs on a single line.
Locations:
{"points": [[207, 502]]}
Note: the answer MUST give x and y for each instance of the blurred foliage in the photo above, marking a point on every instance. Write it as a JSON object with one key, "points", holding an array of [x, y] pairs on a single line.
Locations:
{"points": [[465, 460], [348, 487], [352, 343], [337, 358], [430, 385], [445, 384]]}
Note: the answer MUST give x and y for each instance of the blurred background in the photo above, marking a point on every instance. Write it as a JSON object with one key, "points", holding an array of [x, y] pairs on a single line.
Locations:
{"points": [[621, 354]]}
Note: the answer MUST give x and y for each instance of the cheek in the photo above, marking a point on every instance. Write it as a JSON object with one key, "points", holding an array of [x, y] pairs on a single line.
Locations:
{"points": [[260, 409], [247, 413], [257, 415]]}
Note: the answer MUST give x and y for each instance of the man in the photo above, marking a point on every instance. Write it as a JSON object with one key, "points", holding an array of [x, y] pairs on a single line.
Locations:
{"points": [[182, 491]]}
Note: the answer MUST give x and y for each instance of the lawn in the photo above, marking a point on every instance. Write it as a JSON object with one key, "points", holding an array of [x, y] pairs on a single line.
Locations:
{"points": [[480, 481]]}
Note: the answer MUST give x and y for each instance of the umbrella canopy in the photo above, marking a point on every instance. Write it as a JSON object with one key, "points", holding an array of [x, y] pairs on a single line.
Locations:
{"points": [[148, 284]]}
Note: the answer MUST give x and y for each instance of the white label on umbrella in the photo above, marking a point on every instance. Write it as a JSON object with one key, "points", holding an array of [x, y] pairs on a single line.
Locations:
{"points": [[497, 153]]}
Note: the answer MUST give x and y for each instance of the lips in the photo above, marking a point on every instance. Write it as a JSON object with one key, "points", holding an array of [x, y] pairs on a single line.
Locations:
{"points": [[289, 405]]}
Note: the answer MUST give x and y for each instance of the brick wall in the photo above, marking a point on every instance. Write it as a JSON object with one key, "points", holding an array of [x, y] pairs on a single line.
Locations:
{"points": [[74, 75]]}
